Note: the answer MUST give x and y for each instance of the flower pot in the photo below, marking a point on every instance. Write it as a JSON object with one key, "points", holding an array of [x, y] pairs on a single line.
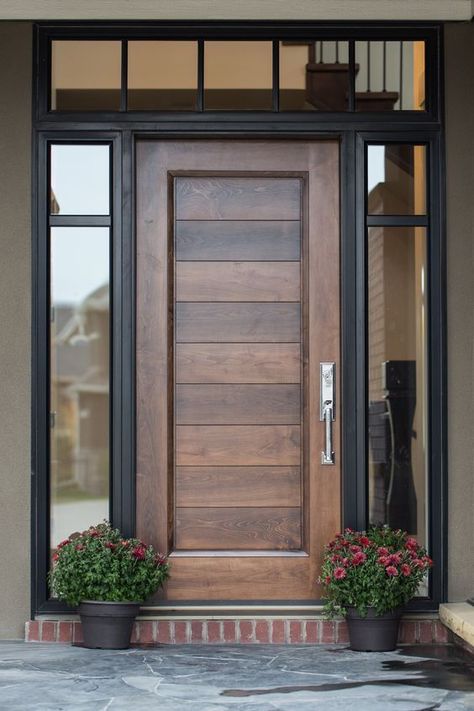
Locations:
{"points": [[373, 633], [107, 625]]}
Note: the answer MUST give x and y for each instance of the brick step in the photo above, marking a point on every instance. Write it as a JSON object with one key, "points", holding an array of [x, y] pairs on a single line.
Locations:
{"points": [[271, 630]]}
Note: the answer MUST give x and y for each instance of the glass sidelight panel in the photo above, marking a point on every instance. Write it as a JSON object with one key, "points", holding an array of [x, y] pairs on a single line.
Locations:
{"points": [[314, 76], [396, 179], [79, 379], [390, 76], [162, 75], [238, 75], [397, 374], [80, 176], [85, 75]]}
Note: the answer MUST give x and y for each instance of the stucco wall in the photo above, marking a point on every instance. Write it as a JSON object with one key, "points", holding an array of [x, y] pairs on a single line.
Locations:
{"points": [[460, 241], [15, 290], [15, 112]]}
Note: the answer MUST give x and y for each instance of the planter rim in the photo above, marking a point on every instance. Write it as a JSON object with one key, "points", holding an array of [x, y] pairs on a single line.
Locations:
{"points": [[351, 611], [111, 602]]}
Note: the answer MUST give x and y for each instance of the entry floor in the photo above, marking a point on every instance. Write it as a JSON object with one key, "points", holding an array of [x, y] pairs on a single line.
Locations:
{"points": [[243, 678]]}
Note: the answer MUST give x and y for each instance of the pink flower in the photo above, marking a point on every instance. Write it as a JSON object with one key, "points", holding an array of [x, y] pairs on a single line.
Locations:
{"points": [[391, 571], [406, 570], [139, 552], [364, 541], [354, 549], [340, 573], [55, 557], [346, 562], [359, 558], [394, 558], [382, 551], [383, 560], [418, 563], [427, 561], [411, 544]]}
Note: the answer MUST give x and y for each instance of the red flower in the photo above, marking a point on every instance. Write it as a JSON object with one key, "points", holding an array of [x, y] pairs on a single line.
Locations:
{"points": [[139, 552], [55, 557], [110, 545], [327, 579], [382, 551], [411, 544], [383, 560], [394, 558], [160, 559], [359, 558], [346, 562], [406, 570], [354, 549], [391, 571], [336, 558], [418, 563], [340, 573], [94, 533], [427, 561], [63, 543], [364, 541]]}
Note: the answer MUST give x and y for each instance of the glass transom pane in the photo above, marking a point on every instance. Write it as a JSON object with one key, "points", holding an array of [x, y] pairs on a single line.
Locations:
{"points": [[80, 176]]}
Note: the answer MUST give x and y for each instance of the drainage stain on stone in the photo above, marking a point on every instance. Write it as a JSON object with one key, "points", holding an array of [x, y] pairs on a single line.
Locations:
{"points": [[446, 668]]}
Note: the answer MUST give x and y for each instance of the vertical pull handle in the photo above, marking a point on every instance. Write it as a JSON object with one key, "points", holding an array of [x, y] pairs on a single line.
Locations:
{"points": [[326, 414]]}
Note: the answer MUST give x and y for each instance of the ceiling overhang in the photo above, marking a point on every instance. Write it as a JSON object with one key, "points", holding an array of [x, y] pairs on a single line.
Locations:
{"points": [[324, 10]]}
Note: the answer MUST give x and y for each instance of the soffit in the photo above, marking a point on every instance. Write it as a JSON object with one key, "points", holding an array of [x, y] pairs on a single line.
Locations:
{"points": [[347, 10]]}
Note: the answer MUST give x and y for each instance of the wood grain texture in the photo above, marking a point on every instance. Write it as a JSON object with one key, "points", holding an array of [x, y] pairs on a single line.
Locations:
{"points": [[239, 528], [241, 578], [237, 404], [238, 486], [237, 445], [238, 281], [237, 198], [238, 363], [241, 240], [237, 322]]}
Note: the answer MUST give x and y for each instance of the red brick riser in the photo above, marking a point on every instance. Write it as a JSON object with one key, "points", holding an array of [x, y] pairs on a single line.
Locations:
{"points": [[246, 631]]}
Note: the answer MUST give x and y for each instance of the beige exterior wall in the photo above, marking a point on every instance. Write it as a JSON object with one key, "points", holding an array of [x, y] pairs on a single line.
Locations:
{"points": [[15, 291], [460, 209]]}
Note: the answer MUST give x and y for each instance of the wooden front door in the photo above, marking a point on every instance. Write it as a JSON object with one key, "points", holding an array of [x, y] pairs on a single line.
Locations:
{"points": [[237, 305]]}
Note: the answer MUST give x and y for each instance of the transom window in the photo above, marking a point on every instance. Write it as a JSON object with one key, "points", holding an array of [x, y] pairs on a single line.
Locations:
{"points": [[238, 75]]}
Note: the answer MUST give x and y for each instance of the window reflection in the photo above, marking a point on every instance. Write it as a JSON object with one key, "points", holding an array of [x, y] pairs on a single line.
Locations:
{"points": [[85, 75], [162, 75], [396, 179], [397, 342], [80, 179], [79, 388], [238, 75]]}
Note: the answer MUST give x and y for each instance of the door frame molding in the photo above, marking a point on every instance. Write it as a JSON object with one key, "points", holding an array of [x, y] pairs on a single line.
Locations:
{"points": [[353, 132]]}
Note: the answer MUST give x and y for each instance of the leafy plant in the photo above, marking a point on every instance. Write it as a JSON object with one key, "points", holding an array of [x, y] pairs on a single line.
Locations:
{"points": [[99, 564], [379, 568]]}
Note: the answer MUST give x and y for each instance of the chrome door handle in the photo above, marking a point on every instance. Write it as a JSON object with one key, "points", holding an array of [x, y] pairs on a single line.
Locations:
{"points": [[326, 413]]}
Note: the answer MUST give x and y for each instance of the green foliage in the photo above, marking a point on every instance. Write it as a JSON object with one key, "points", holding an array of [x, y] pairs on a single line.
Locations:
{"points": [[99, 564], [380, 568]]}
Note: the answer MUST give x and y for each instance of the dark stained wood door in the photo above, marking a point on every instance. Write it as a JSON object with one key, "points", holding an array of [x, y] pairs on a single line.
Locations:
{"points": [[237, 304]]}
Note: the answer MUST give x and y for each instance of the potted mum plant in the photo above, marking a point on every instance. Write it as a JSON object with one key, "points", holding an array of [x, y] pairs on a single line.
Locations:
{"points": [[368, 576], [107, 577]]}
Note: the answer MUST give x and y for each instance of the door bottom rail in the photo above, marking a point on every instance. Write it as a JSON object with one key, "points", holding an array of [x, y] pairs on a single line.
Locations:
{"points": [[425, 629]]}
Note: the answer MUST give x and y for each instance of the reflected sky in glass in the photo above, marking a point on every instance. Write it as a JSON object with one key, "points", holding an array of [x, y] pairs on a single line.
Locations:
{"points": [[80, 179], [79, 262]]}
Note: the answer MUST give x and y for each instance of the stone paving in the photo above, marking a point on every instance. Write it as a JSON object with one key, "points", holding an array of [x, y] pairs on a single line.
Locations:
{"points": [[244, 678]]}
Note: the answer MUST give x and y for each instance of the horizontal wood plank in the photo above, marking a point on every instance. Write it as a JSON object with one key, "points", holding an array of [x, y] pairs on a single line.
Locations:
{"points": [[238, 240], [237, 322], [237, 404], [237, 198], [237, 445], [238, 486], [239, 578], [238, 281], [238, 363], [239, 528]]}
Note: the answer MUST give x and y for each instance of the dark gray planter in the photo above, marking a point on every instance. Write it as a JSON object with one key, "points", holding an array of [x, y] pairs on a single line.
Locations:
{"points": [[373, 633], [107, 625]]}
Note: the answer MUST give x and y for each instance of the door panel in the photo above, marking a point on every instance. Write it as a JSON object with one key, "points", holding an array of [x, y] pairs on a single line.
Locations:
{"points": [[238, 302]]}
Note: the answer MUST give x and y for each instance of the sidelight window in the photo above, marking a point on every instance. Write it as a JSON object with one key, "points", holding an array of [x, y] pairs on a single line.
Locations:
{"points": [[79, 348], [397, 306]]}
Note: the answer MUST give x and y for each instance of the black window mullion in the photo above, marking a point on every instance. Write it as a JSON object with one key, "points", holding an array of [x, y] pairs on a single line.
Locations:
{"points": [[80, 221], [124, 82], [200, 76], [276, 75], [397, 220]]}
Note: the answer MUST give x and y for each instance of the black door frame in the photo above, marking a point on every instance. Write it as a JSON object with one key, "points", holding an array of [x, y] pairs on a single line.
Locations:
{"points": [[354, 131]]}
